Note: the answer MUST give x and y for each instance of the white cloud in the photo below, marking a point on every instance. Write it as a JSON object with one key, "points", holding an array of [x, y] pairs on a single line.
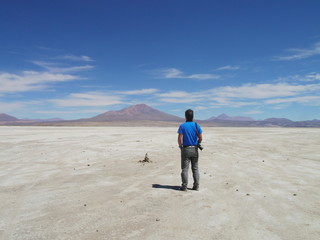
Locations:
{"points": [[313, 76], [18, 106], [253, 112], [89, 99], [200, 108], [309, 100], [227, 102], [6, 107], [177, 74], [245, 95], [70, 112], [202, 76], [178, 100], [171, 73], [261, 91], [301, 53], [31, 80], [70, 69], [52, 67], [228, 67], [180, 97], [175, 94], [140, 92], [77, 58]]}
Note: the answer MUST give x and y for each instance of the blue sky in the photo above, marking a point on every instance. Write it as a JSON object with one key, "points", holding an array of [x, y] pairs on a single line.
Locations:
{"points": [[76, 59]]}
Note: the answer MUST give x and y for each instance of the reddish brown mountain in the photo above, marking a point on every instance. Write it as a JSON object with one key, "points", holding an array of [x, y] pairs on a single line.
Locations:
{"points": [[134, 113]]}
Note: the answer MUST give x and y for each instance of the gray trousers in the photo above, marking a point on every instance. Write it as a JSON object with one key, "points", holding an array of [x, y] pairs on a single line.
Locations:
{"points": [[189, 154]]}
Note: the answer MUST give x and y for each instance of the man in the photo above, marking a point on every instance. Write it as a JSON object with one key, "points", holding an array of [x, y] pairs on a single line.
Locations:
{"points": [[189, 139]]}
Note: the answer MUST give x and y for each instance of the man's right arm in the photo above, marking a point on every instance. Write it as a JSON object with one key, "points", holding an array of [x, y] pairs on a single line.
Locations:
{"points": [[180, 136]]}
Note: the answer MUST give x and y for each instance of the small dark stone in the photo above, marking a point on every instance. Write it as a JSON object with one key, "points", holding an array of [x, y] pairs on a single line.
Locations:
{"points": [[85, 205], [157, 219], [146, 159], [248, 194], [88, 165], [294, 194], [237, 190]]}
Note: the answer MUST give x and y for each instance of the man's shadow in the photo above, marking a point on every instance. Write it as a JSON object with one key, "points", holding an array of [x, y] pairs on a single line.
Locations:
{"points": [[177, 188]]}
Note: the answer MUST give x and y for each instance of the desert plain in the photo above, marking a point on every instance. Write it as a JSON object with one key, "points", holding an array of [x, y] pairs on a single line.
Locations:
{"points": [[89, 183]]}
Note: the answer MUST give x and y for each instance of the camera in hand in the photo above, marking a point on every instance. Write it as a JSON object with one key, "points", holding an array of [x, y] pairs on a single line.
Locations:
{"points": [[200, 147]]}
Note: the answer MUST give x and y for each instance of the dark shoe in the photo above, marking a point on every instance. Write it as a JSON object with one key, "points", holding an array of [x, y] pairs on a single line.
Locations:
{"points": [[183, 189], [195, 188]]}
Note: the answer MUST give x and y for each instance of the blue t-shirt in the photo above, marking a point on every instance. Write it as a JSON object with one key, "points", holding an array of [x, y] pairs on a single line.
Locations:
{"points": [[190, 133]]}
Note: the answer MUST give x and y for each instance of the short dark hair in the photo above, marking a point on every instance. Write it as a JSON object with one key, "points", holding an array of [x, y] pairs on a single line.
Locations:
{"points": [[189, 115]]}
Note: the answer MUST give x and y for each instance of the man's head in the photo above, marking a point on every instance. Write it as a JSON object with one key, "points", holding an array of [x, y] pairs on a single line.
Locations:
{"points": [[189, 115]]}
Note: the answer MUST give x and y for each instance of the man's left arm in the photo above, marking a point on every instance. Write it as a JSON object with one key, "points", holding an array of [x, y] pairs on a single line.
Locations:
{"points": [[199, 138]]}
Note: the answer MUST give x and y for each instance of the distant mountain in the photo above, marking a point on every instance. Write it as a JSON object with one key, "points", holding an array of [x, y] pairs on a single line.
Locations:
{"points": [[228, 118], [284, 122], [134, 113], [43, 120], [224, 120], [7, 118], [310, 123], [141, 112], [277, 121]]}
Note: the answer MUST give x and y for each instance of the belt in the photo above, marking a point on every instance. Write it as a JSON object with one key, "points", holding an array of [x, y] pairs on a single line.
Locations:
{"points": [[189, 146]]}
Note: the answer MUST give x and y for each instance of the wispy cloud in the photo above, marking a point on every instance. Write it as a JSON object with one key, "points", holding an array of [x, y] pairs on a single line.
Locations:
{"points": [[228, 67], [300, 53], [53, 67], [77, 58], [31, 80], [313, 76], [262, 91], [230, 102], [253, 112], [139, 92], [180, 97], [71, 112], [88, 99], [245, 95], [177, 74], [10, 106], [310, 100], [200, 108], [20, 106]]}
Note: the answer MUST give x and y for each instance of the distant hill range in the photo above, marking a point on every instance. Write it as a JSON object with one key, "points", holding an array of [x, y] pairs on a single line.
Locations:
{"points": [[5, 118], [142, 114], [228, 118]]}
